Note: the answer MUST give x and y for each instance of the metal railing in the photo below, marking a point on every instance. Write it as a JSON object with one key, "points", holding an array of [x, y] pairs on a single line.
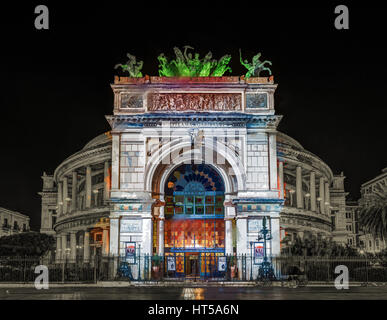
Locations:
{"points": [[165, 268]]}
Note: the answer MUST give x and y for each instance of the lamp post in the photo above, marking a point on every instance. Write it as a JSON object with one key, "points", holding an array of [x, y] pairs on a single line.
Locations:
{"points": [[139, 262], [266, 269]]}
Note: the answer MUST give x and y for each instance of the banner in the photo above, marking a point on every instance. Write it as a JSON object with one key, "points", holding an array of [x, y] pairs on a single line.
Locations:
{"points": [[258, 252], [171, 265], [130, 252], [222, 264]]}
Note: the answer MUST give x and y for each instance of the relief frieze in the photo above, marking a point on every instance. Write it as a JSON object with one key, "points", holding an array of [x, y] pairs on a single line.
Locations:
{"points": [[194, 102]]}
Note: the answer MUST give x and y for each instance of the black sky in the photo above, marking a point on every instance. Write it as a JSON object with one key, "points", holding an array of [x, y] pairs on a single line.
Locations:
{"points": [[55, 84]]}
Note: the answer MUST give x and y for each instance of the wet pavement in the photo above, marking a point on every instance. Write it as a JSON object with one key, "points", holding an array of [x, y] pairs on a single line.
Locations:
{"points": [[210, 293]]}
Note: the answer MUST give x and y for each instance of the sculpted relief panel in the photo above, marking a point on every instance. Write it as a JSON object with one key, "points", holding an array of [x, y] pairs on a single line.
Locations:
{"points": [[194, 102]]}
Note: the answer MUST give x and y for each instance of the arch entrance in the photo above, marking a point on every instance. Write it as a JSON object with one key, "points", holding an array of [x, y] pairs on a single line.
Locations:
{"points": [[194, 229]]}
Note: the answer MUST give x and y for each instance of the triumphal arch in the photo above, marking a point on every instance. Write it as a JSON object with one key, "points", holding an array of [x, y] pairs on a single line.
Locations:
{"points": [[194, 169]]}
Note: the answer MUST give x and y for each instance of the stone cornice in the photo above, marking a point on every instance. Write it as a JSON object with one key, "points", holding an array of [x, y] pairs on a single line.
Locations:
{"points": [[220, 118], [304, 157], [85, 219], [83, 158], [305, 214]]}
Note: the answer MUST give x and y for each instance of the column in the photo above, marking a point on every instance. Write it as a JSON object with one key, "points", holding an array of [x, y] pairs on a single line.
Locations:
{"points": [[281, 178], [114, 236], [106, 180], [322, 196], [115, 161], [230, 215], [88, 187], [242, 241], [327, 199], [228, 236], [60, 199], [313, 191], [161, 231], [50, 225], [73, 246], [58, 253], [65, 195], [276, 236], [64, 246], [105, 242], [147, 239], [299, 196], [74, 192], [273, 161], [86, 247]]}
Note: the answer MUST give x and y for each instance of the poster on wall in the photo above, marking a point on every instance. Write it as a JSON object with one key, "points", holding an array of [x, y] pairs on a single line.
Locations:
{"points": [[171, 265], [258, 252], [222, 264], [130, 252]]}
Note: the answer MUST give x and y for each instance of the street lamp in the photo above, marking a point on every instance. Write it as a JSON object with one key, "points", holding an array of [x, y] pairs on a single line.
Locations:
{"points": [[266, 270]]}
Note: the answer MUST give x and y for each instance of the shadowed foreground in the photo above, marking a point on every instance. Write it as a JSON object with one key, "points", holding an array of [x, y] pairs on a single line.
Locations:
{"points": [[214, 293]]}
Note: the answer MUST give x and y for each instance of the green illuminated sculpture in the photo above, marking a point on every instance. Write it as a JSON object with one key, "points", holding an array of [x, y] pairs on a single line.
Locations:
{"points": [[187, 65], [255, 67], [132, 66]]}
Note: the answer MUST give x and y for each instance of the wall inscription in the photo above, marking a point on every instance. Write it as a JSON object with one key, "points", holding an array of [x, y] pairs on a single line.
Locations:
{"points": [[194, 102], [131, 225]]}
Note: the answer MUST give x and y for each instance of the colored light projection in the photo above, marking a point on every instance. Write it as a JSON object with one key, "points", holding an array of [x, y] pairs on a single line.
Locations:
{"points": [[188, 65], [194, 213]]}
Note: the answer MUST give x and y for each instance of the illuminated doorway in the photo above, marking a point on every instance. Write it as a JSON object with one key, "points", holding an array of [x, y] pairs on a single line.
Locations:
{"points": [[194, 220]]}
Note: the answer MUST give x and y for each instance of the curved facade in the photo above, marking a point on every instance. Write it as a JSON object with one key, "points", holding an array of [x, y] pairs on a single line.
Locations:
{"points": [[308, 185], [190, 171], [74, 202]]}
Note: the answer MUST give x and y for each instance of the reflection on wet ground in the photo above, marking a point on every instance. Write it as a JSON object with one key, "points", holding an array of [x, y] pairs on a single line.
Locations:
{"points": [[213, 293]]}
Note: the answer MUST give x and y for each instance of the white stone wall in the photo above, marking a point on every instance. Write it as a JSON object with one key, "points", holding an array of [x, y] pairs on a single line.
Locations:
{"points": [[257, 166], [132, 165]]}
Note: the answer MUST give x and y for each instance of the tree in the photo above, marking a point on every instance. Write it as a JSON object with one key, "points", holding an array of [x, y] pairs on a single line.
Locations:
{"points": [[373, 212], [26, 244]]}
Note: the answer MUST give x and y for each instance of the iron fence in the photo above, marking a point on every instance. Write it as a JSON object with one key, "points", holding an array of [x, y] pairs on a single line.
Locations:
{"points": [[167, 268]]}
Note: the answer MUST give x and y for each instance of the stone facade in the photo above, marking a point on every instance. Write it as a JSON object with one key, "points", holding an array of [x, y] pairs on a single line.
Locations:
{"points": [[367, 242], [112, 192], [12, 222]]}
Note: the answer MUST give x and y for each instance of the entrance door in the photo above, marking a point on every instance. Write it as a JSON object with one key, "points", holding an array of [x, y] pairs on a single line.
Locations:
{"points": [[192, 264]]}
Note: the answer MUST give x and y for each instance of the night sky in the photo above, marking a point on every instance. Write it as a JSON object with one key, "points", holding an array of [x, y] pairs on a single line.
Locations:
{"points": [[55, 84]]}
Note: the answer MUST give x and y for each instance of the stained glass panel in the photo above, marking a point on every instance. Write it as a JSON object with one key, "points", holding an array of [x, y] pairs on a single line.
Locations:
{"points": [[189, 199], [179, 209], [199, 210], [189, 210], [179, 200], [209, 199], [199, 200], [219, 200], [209, 210], [169, 200], [219, 210]]}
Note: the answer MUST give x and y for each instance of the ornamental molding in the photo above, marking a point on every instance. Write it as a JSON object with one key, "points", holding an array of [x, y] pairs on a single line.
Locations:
{"points": [[81, 159], [304, 214], [81, 221], [162, 101], [192, 118], [304, 157]]}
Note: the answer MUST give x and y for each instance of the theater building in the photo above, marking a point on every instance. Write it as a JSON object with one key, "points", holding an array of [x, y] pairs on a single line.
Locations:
{"points": [[188, 171]]}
